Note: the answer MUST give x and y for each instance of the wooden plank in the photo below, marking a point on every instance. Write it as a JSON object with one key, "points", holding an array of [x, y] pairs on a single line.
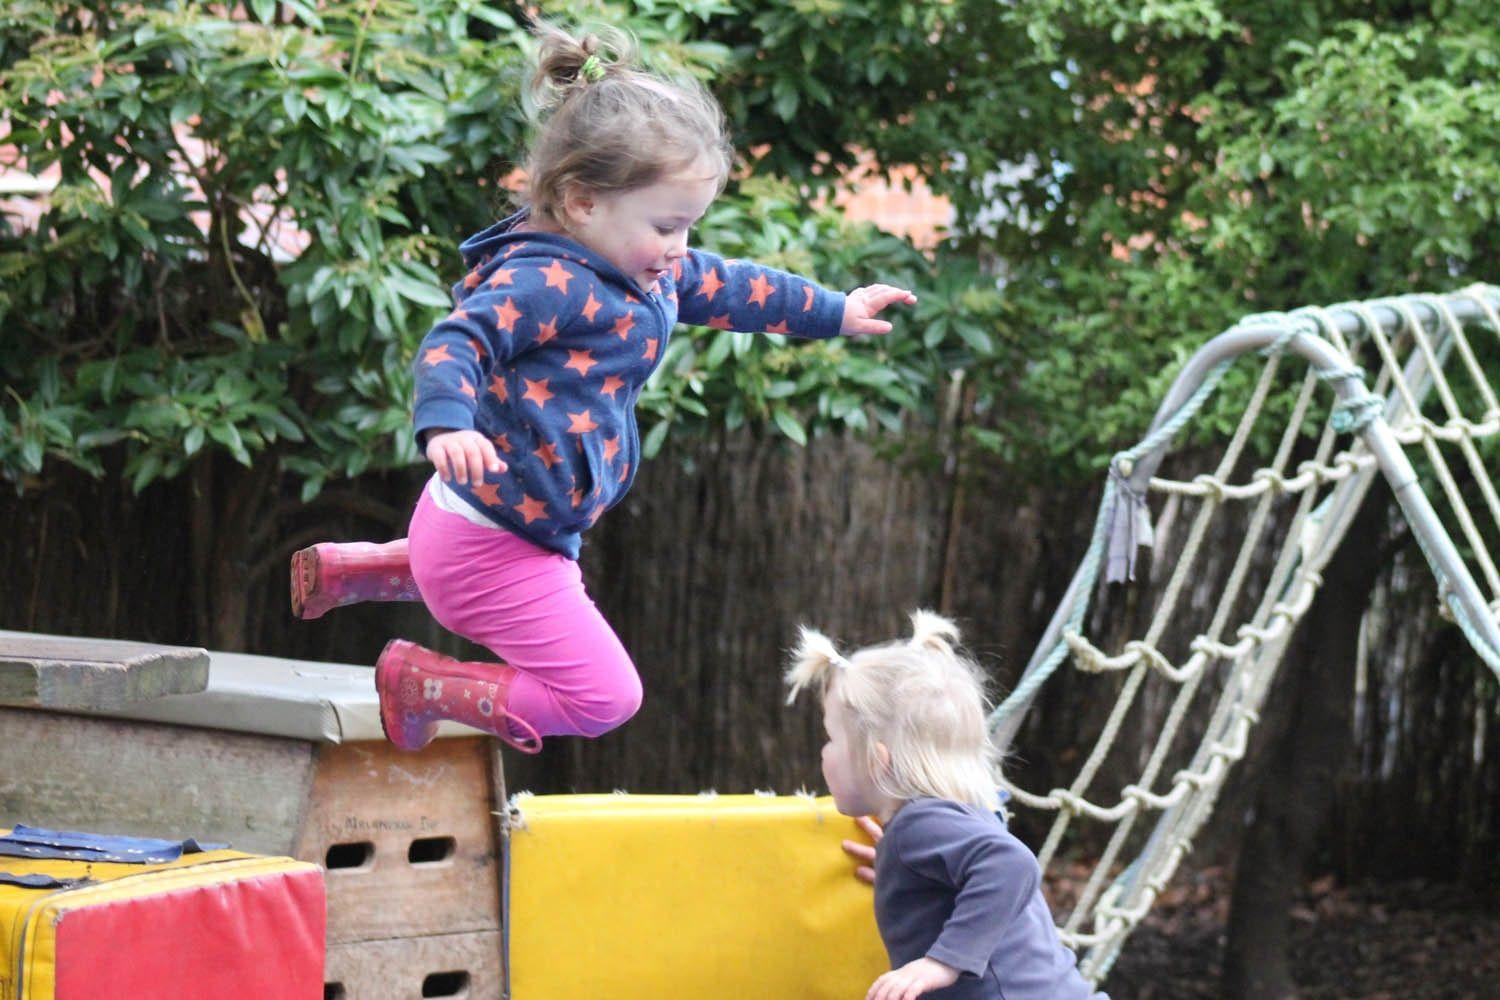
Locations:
{"points": [[369, 803], [454, 966], [152, 780], [61, 672]]}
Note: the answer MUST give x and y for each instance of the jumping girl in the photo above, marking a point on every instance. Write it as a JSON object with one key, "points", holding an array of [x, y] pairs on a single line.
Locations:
{"points": [[525, 401]]}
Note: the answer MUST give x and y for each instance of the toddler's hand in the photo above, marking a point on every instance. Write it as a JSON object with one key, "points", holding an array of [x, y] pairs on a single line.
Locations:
{"points": [[862, 305], [912, 980], [463, 456], [864, 854]]}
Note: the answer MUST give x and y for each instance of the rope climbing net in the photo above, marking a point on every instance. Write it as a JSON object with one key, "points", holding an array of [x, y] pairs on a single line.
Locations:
{"points": [[1242, 555]]}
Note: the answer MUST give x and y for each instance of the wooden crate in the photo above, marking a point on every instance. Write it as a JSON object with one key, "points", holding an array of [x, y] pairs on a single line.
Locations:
{"points": [[286, 757], [457, 966], [408, 840]]}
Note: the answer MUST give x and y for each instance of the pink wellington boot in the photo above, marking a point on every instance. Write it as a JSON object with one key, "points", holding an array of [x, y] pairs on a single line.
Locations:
{"points": [[419, 687], [332, 574]]}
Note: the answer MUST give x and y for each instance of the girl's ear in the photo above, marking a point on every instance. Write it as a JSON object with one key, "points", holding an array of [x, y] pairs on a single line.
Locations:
{"points": [[578, 204], [883, 757]]}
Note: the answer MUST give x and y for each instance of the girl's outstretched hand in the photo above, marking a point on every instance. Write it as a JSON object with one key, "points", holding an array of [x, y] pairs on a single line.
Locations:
{"points": [[912, 980], [864, 854], [463, 456], [862, 305]]}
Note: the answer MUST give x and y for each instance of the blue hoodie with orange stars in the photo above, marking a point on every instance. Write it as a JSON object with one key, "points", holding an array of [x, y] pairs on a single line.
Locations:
{"points": [[548, 349]]}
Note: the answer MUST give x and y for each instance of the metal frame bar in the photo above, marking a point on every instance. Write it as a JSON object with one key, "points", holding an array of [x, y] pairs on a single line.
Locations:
{"points": [[1377, 436]]}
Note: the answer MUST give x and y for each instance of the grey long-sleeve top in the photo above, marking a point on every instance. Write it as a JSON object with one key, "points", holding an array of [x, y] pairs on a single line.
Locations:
{"points": [[953, 884]]}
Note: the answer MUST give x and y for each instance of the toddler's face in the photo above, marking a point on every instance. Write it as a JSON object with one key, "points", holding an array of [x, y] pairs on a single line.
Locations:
{"points": [[644, 230], [845, 767]]}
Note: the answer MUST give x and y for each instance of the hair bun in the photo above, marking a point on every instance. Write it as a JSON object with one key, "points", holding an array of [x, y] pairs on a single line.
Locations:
{"points": [[813, 662], [566, 63], [930, 630]]}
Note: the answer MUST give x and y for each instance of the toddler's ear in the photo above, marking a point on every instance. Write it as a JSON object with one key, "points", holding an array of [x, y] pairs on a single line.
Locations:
{"points": [[578, 203], [883, 756]]}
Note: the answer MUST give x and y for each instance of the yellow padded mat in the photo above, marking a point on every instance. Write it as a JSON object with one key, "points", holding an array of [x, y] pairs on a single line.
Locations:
{"points": [[628, 896]]}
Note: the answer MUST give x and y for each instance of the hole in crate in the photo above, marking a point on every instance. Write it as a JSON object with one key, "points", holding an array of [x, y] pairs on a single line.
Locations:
{"points": [[446, 984], [359, 854], [333, 991], [431, 850]]}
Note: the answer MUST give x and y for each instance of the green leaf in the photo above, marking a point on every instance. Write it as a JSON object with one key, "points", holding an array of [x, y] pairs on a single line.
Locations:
{"points": [[789, 425], [654, 439], [417, 292]]}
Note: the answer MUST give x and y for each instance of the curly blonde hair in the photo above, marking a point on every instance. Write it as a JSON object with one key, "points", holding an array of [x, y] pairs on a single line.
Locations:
{"points": [[608, 126], [922, 699]]}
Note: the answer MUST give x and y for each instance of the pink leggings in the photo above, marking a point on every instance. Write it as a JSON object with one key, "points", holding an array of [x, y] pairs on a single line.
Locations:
{"points": [[528, 606]]}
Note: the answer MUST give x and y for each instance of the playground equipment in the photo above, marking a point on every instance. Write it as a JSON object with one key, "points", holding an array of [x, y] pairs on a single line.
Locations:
{"points": [[286, 757], [1429, 381], [685, 896], [84, 916], [642, 893]]}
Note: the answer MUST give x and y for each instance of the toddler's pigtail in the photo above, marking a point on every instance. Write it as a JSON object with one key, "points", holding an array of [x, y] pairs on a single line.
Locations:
{"points": [[813, 663], [565, 64], [933, 632]]}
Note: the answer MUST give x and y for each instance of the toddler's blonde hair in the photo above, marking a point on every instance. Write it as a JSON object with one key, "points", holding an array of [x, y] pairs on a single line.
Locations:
{"points": [[609, 127], [922, 699]]}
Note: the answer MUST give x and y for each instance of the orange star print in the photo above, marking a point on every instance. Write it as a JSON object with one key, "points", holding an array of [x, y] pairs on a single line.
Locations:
{"points": [[591, 307], [547, 452], [581, 423], [760, 290], [506, 315], [557, 276], [537, 391], [581, 361], [710, 285], [531, 509]]}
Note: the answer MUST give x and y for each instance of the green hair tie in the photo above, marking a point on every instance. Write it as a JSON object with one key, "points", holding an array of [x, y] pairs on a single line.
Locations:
{"points": [[592, 69]]}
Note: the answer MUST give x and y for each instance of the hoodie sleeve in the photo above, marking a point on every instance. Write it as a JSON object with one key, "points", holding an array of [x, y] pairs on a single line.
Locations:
{"points": [[504, 312], [740, 295], [993, 876]]}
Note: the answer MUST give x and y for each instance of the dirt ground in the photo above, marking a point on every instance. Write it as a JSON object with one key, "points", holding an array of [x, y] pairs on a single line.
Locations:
{"points": [[1407, 940]]}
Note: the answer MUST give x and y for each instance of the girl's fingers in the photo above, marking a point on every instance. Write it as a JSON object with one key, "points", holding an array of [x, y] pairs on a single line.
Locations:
{"points": [[439, 456], [477, 459], [863, 852], [868, 824], [464, 461], [492, 462], [881, 296]]}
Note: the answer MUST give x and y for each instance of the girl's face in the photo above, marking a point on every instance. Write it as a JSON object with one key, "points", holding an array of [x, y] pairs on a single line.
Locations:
{"points": [[845, 766], [642, 231]]}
